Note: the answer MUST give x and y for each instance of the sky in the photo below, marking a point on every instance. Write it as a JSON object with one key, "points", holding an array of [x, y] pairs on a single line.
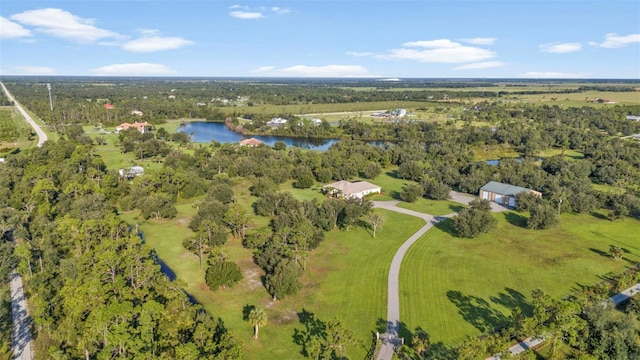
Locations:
{"points": [[313, 38]]}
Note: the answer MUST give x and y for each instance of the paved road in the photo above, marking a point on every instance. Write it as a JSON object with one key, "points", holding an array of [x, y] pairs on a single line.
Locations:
{"points": [[390, 340], [42, 137], [21, 339]]}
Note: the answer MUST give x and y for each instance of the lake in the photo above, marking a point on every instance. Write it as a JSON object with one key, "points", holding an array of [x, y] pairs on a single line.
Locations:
{"points": [[202, 131]]}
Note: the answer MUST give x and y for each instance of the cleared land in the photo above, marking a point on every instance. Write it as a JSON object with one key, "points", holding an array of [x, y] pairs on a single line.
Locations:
{"points": [[346, 278], [14, 131], [454, 287]]}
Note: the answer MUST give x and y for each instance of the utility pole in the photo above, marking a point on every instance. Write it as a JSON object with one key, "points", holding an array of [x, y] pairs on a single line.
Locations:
{"points": [[50, 100], [559, 203]]}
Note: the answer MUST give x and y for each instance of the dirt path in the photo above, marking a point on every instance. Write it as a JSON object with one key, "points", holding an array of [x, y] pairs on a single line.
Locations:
{"points": [[42, 137], [21, 339]]}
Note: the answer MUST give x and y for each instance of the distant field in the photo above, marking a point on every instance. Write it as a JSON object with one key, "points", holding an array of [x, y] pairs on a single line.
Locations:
{"points": [[456, 287], [578, 99]]}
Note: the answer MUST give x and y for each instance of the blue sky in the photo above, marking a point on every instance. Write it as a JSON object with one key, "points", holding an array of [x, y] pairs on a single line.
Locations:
{"points": [[304, 38]]}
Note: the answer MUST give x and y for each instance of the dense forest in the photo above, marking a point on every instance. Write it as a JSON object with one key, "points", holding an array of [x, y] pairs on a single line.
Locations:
{"points": [[98, 290]]}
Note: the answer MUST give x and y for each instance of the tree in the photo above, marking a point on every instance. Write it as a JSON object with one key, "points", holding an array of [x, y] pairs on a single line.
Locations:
{"points": [[225, 273], [616, 252], [411, 192], [542, 216], [236, 218], [375, 220], [258, 318], [284, 280], [435, 190], [474, 220]]}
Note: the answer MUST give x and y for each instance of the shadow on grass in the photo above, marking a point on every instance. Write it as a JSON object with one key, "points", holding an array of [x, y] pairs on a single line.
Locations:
{"points": [[246, 310], [483, 315], [515, 219], [393, 174], [599, 216], [456, 208], [600, 252], [446, 225]]}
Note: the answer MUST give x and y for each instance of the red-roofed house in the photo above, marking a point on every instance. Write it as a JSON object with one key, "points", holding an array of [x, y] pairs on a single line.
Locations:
{"points": [[108, 106]]}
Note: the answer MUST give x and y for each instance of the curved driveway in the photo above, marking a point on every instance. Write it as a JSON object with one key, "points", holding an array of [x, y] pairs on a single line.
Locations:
{"points": [[391, 339], [42, 137]]}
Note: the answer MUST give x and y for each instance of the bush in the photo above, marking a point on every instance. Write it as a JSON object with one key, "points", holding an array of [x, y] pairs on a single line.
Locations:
{"points": [[225, 273], [543, 215], [411, 192]]}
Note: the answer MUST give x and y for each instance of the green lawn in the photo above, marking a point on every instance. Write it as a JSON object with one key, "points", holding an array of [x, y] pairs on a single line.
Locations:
{"points": [[346, 278], [432, 207], [456, 287]]}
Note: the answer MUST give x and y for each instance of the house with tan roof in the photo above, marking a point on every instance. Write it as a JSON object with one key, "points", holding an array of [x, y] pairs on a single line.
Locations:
{"points": [[250, 142], [141, 127], [351, 190]]}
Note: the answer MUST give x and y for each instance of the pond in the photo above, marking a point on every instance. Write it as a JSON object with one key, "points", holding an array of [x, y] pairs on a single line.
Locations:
{"points": [[496, 162], [202, 131]]}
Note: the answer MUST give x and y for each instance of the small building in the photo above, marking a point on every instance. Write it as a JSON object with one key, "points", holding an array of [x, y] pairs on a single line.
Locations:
{"points": [[108, 106], [351, 190], [250, 142], [137, 112], [503, 194], [275, 122], [131, 172], [633, 117], [141, 127], [316, 121]]}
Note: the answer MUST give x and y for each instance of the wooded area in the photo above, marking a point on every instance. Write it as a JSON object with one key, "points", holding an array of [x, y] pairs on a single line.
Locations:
{"points": [[97, 289]]}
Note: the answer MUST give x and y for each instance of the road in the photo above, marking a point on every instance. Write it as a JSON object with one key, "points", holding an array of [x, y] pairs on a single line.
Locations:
{"points": [[391, 340], [21, 339], [42, 137]]}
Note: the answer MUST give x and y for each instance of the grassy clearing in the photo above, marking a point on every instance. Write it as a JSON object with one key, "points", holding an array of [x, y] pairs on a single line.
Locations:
{"points": [[14, 131], [433, 207], [346, 278], [456, 287], [578, 99]]}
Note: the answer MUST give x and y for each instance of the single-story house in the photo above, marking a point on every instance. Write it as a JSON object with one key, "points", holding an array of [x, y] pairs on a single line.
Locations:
{"points": [[250, 142], [137, 112], [503, 194], [142, 127], [108, 106], [275, 122], [131, 172], [316, 121], [633, 117], [351, 190]]}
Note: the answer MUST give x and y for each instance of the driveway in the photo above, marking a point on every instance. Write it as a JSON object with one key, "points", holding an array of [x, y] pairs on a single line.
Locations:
{"points": [[21, 339]]}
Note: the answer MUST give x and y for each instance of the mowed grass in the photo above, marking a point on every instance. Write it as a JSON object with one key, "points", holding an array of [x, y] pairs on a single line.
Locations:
{"points": [[432, 207], [346, 278], [455, 287]]}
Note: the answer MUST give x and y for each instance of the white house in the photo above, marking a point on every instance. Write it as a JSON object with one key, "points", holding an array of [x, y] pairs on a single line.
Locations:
{"points": [[276, 122], [351, 190], [131, 172], [503, 194], [316, 121]]}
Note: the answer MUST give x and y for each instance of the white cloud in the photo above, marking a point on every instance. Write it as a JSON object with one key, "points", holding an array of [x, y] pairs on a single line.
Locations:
{"points": [[617, 41], [554, 75], [236, 6], [560, 48], [438, 51], [315, 71], [11, 30], [481, 65], [63, 24], [245, 15], [151, 41], [138, 69], [279, 10], [480, 41], [359, 54], [29, 70]]}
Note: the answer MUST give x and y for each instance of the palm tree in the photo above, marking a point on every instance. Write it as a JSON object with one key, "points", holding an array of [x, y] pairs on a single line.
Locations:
{"points": [[258, 318]]}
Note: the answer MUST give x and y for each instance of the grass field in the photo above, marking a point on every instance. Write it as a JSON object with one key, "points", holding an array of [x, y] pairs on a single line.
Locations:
{"points": [[346, 278], [14, 131], [432, 207], [454, 287]]}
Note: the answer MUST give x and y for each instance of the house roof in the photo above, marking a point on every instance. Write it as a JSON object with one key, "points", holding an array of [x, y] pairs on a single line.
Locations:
{"points": [[355, 187], [504, 189], [251, 142], [137, 125]]}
